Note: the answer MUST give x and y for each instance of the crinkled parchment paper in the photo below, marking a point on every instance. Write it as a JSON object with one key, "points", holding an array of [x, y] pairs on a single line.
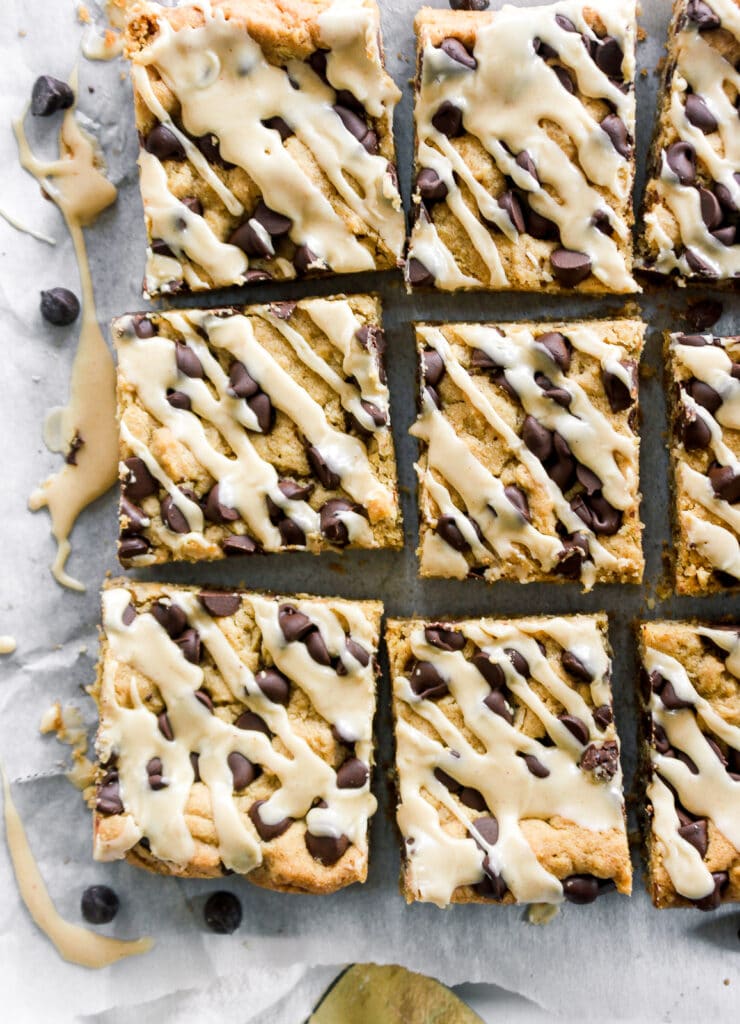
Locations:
{"points": [[617, 959]]}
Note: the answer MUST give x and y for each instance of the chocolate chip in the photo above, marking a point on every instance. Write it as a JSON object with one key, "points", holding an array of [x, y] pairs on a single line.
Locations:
{"points": [[160, 248], [448, 120], [317, 61], [535, 766], [681, 158], [131, 547], [541, 228], [246, 238], [172, 516], [189, 644], [602, 223], [616, 129], [496, 702], [509, 201], [165, 727], [704, 395], [275, 224], [537, 438], [450, 532], [330, 517], [725, 483], [49, 95], [698, 113], [490, 670], [588, 479], [602, 761], [144, 328], [596, 512], [695, 433], [561, 466], [726, 235], [417, 273], [250, 722], [608, 56], [164, 144], [170, 617], [178, 399], [576, 726], [603, 716], [544, 49], [725, 196], [139, 482], [473, 799], [457, 52], [517, 659], [430, 186], [618, 394], [99, 904], [670, 698], [108, 799], [241, 384], [426, 682], [136, 521], [574, 553], [518, 499], [357, 127], [711, 211], [305, 260], [553, 392], [353, 774], [294, 624], [327, 477], [203, 698], [317, 648], [721, 880], [210, 147], [222, 913], [570, 268], [702, 15], [492, 886], [280, 126], [129, 614], [193, 204], [487, 829], [580, 888], [444, 638], [154, 772], [219, 604], [261, 406], [433, 367], [187, 361], [274, 685], [59, 306], [557, 347], [525, 161], [242, 770], [697, 265], [447, 781], [327, 850], [469, 5], [575, 667], [216, 511]]}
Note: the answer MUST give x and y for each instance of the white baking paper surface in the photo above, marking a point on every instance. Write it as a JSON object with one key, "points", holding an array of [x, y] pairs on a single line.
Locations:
{"points": [[618, 959]]}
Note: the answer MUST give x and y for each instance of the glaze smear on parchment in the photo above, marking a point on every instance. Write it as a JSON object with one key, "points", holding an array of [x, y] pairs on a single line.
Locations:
{"points": [[76, 944], [81, 191], [69, 728]]}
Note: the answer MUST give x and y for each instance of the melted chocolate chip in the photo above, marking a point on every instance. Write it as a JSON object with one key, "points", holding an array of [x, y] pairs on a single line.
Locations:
{"points": [[353, 774], [518, 499], [426, 682], [699, 114], [139, 482], [509, 201], [496, 702], [218, 603], [332, 525], [575, 667], [444, 638], [596, 512], [49, 95], [702, 15], [60, 306], [131, 547], [216, 511], [557, 347], [618, 394], [327, 850], [222, 913], [602, 761], [576, 727], [725, 483], [553, 392], [574, 554], [164, 144], [178, 399], [99, 904], [491, 671], [603, 716]]}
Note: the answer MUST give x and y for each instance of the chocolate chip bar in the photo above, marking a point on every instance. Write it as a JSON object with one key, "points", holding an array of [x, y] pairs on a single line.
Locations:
{"points": [[525, 121], [236, 734], [704, 385], [257, 429], [693, 194], [266, 141], [507, 760], [690, 695], [529, 453]]}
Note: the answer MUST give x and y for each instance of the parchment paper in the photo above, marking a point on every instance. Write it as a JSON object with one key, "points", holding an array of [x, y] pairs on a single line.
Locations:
{"points": [[617, 959]]}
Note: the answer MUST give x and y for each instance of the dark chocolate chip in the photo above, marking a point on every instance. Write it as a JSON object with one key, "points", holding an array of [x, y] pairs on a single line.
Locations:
{"points": [[261, 406], [618, 394], [357, 126], [492, 886], [60, 306], [108, 799], [711, 211], [222, 913], [327, 850], [603, 716], [496, 702], [99, 904], [473, 799], [725, 483], [130, 547], [417, 273], [275, 224], [456, 51], [250, 722], [241, 384], [216, 511], [695, 433], [448, 120], [704, 395], [353, 774], [660, 738], [702, 15], [616, 129], [681, 158], [327, 477], [525, 161], [144, 328], [544, 49], [358, 652], [430, 186], [561, 466], [602, 223], [487, 829], [246, 238], [154, 772], [469, 5], [305, 260], [172, 516], [542, 228], [608, 56], [699, 114], [242, 770], [165, 727], [570, 268], [535, 766], [189, 644], [129, 614], [317, 648], [195, 765], [332, 526], [597, 513], [553, 392], [317, 61], [602, 761], [178, 399], [725, 196], [575, 667], [193, 204], [203, 698], [696, 340], [490, 670], [280, 126], [588, 479], [721, 880], [426, 682], [447, 781], [574, 554], [187, 361], [517, 659], [170, 617], [444, 638], [160, 248], [518, 499], [139, 482], [450, 532], [164, 144], [698, 265], [509, 201], [557, 347], [537, 438], [49, 95], [136, 520], [670, 698], [219, 604], [565, 23], [210, 147], [580, 888], [576, 726], [433, 367], [726, 235]]}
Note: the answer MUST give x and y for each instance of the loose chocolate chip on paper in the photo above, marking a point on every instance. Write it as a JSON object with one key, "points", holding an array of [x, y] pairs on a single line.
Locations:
{"points": [[353, 774], [60, 306], [219, 604], [99, 904], [327, 850], [49, 94], [222, 913]]}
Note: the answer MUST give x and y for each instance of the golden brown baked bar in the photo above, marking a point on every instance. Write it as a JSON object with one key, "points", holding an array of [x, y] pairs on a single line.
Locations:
{"points": [[263, 428], [236, 734], [529, 465], [525, 122], [690, 697], [507, 760], [704, 387], [692, 196], [266, 141]]}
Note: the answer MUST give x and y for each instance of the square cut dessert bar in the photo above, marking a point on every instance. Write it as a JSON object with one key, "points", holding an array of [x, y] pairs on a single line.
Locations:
{"points": [[690, 762], [692, 198], [507, 760], [529, 461], [704, 387], [263, 428], [236, 734], [525, 119], [266, 141]]}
